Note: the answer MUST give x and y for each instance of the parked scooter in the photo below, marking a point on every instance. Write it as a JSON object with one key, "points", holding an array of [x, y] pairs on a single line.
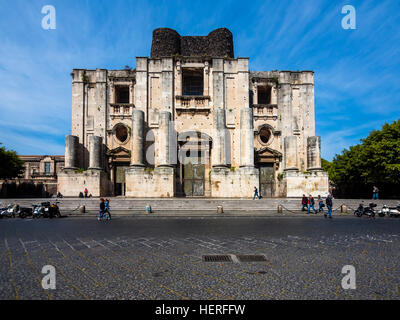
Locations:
{"points": [[24, 212], [389, 211], [38, 211], [9, 211], [2, 209], [50, 210], [367, 211]]}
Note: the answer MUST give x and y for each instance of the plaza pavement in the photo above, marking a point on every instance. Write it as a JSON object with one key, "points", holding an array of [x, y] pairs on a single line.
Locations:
{"points": [[145, 258]]}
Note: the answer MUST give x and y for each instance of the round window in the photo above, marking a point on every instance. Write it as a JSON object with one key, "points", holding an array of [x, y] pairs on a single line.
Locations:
{"points": [[265, 135], [121, 132]]}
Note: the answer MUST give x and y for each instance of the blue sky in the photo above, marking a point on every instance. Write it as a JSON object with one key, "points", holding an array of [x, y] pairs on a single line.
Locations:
{"points": [[357, 72]]}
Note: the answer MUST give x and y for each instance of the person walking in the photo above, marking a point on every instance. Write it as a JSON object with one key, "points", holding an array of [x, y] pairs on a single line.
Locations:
{"points": [[311, 204], [256, 193], [375, 193], [101, 210], [303, 203], [320, 204], [107, 208], [329, 204]]}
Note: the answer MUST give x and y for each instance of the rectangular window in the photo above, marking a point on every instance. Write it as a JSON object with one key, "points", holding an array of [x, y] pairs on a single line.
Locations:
{"points": [[263, 95], [47, 167], [122, 94], [193, 82]]}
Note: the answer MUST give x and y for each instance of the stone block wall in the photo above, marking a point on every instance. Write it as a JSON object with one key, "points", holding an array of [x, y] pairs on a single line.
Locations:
{"points": [[238, 183], [71, 183], [144, 183], [312, 182]]}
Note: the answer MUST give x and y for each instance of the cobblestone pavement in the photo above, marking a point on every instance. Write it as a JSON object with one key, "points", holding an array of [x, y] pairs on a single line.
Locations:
{"points": [[148, 258]]}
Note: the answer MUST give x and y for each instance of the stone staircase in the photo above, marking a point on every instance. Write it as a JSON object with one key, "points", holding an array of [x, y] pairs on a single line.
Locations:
{"points": [[189, 206]]}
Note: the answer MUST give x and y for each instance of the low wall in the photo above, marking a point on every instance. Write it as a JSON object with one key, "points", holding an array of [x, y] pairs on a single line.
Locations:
{"points": [[238, 183], [71, 182], [27, 189], [312, 182], [142, 182]]}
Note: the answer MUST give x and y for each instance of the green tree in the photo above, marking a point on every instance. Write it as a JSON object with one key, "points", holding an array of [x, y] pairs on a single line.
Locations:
{"points": [[10, 164], [325, 164], [375, 161]]}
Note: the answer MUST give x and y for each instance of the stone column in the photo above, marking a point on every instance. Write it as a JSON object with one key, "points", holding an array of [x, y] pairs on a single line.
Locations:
{"points": [[95, 152], [246, 138], [290, 149], [164, 140], [314, 153], [71, 151], [219, 143], [137, 139]]}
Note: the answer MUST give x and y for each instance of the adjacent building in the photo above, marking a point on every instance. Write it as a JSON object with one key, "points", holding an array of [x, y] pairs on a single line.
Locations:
{"points": [[38, 178]]}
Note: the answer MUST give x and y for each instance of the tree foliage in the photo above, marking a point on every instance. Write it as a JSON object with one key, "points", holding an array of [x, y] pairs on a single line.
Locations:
{"points": [[375, 161], [10, 164]]}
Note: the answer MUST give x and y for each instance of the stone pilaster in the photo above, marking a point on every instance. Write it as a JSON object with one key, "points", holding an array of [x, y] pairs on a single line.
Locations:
{"points": [[95, 152], [140, 89], [137, 139], [314, 153], [71, 151], [285, 104], [167, 84], [290, 153], [219, 158], [218, 83], [246, 138]]}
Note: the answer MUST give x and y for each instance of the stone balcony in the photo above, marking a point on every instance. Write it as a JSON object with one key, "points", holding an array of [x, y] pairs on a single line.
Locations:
{"points": [[193, 104], [121, 110], [43, 175], [265, 111]]}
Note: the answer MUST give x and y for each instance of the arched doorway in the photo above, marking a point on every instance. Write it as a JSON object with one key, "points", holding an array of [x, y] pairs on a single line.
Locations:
{"points": [[194, 164]]}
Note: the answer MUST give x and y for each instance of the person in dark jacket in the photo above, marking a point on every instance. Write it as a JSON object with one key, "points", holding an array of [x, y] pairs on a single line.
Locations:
{"points": [[107, 208], [329, 204], [303, 203], [256, 193], [320, 204], [311, 203], [101, 210]]}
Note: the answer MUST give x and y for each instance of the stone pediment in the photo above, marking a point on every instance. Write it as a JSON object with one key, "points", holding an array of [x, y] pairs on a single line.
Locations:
{"points": [[267, 152], [119, 152]]}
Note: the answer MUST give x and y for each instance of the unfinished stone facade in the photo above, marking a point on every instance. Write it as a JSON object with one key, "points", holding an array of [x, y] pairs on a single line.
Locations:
{"points": [[192, 120]]}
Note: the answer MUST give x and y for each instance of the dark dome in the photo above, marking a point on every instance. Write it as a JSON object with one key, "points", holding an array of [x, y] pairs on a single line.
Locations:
{"points": [[167, 42]]}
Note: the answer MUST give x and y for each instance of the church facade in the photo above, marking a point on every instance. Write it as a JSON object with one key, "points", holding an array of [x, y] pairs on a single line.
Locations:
{"points": [[192, 120]]}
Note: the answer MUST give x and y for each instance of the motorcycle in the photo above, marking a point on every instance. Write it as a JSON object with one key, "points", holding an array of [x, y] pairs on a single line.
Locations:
{"points": [[368, 211], [50, 210], [9, 211], [389, 211], [2, 209], [38, 211], [24, 212]]}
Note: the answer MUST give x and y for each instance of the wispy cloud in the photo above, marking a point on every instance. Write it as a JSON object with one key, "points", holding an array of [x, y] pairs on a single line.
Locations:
{"points": [[356, 71]]}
